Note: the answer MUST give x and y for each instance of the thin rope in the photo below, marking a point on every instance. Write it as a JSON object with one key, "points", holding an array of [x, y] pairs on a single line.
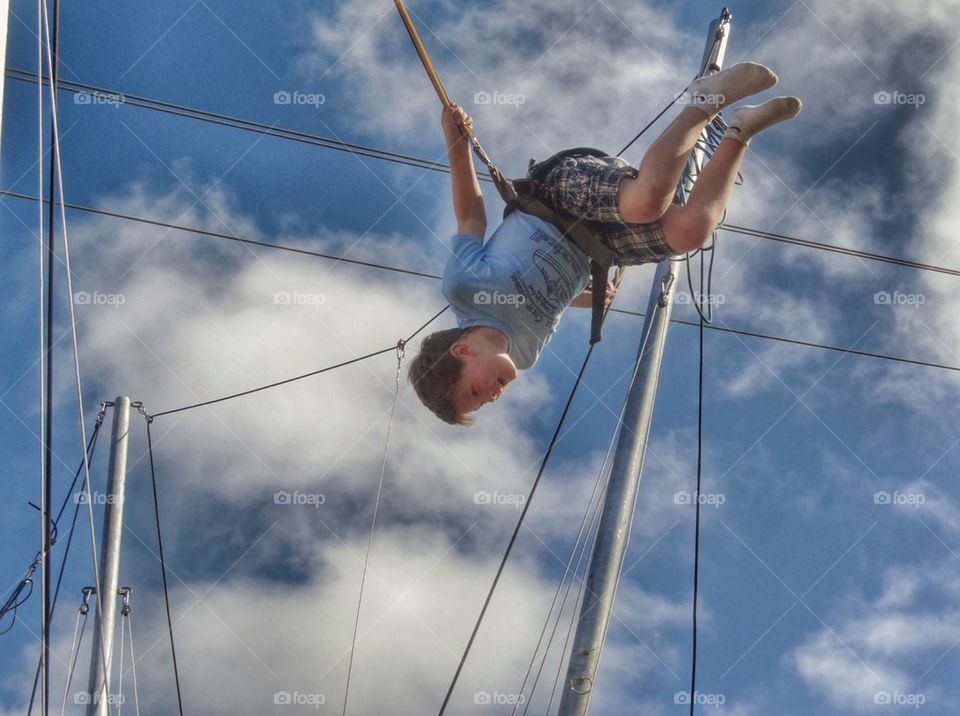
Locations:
{"points": [[592, 512], [696, 542], [56, 184], [78, 630], [373, 522], [163, 563], [516, 531], [123, 645], [63, 563], [523, 514], [46, 301], [653, 121], [300, 377], [133, 667], [732, 228]]}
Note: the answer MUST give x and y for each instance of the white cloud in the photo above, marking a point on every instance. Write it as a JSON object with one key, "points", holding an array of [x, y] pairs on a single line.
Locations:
{"points": [[884, 646]]}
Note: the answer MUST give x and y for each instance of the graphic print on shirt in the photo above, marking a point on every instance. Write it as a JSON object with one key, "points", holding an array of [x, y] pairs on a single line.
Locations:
{"points": [[551, 286]]}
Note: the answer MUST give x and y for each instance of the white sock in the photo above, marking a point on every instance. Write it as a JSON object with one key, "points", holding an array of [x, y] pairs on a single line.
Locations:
{"points": [[748, 121], [721, 89]]}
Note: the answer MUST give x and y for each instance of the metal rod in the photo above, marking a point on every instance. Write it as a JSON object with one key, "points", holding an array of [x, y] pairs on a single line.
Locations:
{"points": [[98, 692], [613, 532], [47, 489]]}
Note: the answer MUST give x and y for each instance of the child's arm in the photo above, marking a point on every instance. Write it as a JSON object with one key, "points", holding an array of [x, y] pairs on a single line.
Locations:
{"points": [[467, 197], [585, 299]]}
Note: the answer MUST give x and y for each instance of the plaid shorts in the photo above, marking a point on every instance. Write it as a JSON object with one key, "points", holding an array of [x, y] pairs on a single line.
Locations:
{"points": [[586, 187]]}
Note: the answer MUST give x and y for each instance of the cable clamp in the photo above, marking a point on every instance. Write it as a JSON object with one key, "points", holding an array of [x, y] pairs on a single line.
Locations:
{"points": [[87, 593], [665, 285], [125, 593]]}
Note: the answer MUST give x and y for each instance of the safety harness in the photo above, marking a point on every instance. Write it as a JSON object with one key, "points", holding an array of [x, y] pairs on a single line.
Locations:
{"points": [[529, 197]]}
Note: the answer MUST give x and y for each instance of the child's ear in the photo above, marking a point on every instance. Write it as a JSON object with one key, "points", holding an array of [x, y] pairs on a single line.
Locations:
{"points": [[459, 350]]}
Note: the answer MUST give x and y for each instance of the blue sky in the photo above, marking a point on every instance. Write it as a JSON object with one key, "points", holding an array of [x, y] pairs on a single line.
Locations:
{"points": [[816, 596]]}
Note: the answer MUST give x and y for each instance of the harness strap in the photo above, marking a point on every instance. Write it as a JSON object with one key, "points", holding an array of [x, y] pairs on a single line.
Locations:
{"points": [[530, 199]]}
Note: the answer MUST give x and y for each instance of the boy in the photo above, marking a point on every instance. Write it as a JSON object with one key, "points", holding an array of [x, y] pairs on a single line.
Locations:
{"points": [[509, 293]]}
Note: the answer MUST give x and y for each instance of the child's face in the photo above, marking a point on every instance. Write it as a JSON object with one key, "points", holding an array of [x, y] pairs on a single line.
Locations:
{"points": [[486, 374]]}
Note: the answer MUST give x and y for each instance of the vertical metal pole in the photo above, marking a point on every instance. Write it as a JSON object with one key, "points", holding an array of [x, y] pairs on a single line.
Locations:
{"points": [[613, 531], [101, 653]]}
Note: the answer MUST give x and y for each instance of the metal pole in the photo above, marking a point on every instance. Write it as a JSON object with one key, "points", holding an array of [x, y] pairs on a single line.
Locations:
{"points": [[613, 532], [101, 653]]}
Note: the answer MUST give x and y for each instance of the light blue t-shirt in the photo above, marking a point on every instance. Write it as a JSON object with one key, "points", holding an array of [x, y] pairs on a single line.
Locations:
{"points": [[520, 282]]}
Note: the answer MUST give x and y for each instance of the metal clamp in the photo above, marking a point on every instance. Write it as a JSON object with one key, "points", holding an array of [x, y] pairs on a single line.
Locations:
{"points": [[125, 593], [87, 593]]}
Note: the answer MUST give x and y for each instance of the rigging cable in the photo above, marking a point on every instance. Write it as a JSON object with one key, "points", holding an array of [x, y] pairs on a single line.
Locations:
{"points": [[696, 500], [163, 563], [63, 563], [732, 228], [520, 519], [57, 175], [300, 377], [774, 237], [78, 629], [400, 348], [593, 505]]}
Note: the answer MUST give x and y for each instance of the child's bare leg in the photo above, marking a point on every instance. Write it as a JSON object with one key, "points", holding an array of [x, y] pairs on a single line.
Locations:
{"points": [[645, 198], [687, 227]]}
